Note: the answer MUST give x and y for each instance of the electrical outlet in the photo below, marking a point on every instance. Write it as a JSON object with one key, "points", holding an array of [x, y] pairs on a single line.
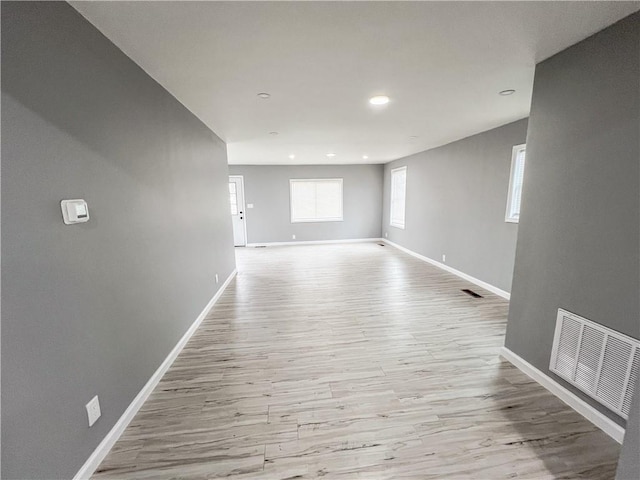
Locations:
{"points": [[444, 258], [293, 236], [216, 278], [93, 410]]}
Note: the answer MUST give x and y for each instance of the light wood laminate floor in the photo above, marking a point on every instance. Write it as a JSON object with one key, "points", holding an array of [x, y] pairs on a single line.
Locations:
{"points": [[353, 361]]}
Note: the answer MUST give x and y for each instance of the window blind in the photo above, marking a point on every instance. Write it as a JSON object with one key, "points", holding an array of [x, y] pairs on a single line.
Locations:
{"points": [[515, 185], [316, 200], [398, 196]]}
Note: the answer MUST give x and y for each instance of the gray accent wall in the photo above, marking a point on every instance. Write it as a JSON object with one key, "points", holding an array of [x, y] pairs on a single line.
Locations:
{"points": [[94, 309], [267, 188], [580, 221], [456, 201]]}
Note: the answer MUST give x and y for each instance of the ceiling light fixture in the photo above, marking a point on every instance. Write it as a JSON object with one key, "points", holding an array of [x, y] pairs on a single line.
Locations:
{"points": [[292, 156], [331, 155], [264, 95], [379, 100], [365, 157], [509, 91]]}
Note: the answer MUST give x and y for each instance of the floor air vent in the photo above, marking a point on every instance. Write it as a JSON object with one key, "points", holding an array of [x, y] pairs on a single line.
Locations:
{"points": [[599, 361], [472, 293]]}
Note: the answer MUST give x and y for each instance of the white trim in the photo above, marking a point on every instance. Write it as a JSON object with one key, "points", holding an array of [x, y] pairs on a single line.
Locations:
{"points": [[313, 242], [244, 210], [469, 278], [600, 420], [101, 451]]}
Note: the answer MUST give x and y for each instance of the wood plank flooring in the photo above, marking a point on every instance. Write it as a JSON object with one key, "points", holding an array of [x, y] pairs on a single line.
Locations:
{"points": [[353, 361]]}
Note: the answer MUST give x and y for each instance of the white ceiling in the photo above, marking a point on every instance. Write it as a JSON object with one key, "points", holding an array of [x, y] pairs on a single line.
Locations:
{"points": [[441, 63]]}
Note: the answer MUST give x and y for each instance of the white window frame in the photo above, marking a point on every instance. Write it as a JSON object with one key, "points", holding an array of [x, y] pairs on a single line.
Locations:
{"points": [[404, 217], [509, 215], [292, 181]]}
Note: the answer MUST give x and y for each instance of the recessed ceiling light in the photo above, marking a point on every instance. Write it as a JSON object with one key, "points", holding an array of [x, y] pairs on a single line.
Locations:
{"points": [[264, 95], [379, 100], [365, 157], [273, 133], [292, 156], [331, 155], [509, 91]]}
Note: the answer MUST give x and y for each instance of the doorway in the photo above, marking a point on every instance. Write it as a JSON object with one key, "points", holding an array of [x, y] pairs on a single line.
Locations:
{"points": [[236, 199]]}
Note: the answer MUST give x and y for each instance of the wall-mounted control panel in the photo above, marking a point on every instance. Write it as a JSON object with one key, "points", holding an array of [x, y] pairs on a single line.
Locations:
{"points": [[74, 211]]}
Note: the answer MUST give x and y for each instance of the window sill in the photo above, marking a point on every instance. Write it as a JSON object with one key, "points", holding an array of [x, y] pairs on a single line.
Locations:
{"points": [[318, 220]]}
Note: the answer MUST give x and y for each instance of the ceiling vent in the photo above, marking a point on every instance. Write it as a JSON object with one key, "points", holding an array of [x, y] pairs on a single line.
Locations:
{"points": [[599, 361]]}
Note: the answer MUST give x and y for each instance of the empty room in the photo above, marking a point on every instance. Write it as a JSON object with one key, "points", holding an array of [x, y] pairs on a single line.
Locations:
{"points": [[347, 239]]}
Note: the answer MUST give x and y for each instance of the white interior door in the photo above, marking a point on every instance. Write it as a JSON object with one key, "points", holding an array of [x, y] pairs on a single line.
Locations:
{"points": [[236, 199]]}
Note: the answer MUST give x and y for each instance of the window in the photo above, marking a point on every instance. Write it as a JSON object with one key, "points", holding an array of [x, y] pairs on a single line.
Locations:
{"points": [[316, 200], [398, 196], [515, 184], [233, 198]]}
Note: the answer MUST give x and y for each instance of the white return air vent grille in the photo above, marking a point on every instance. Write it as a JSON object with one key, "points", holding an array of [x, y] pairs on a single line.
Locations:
{"points": [[599, 361]]}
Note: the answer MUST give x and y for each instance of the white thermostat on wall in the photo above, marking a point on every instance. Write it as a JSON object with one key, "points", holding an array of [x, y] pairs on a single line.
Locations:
{"points": [[74, 211]]}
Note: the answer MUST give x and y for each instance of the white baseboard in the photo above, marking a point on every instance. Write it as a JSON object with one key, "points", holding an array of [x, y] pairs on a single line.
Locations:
{"points": [[93, 462], [469, 278], [600, 420], [313, 242]]}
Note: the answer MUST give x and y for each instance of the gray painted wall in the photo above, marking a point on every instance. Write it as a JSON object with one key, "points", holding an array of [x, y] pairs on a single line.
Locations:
{"points": [[629, 462], [267, 187], [94, 308], [580, 219], [456, 202]]}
